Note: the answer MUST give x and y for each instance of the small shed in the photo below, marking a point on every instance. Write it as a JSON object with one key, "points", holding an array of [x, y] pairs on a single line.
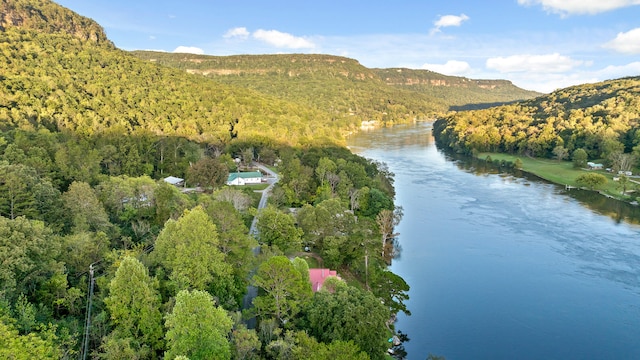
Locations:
{"points": [[175, 181], [244, 178], [595, 166]]}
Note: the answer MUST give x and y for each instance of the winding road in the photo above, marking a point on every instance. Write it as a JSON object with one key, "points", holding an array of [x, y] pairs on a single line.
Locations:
{"points": [[252, 291]]}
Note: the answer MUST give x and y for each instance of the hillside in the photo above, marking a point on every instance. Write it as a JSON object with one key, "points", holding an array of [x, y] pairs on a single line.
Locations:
{"points": [[602, 118], [48, 17], [343, 86], [58, 82], [459, 93], [337, 85]]}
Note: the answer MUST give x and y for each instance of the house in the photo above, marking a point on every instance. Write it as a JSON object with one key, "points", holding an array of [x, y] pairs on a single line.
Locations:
{"points": [[175, 181], [595, 166], [244, 178], [318, 276]]}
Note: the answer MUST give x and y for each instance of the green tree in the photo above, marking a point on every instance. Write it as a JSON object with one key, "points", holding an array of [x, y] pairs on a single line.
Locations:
{"points": [[328, 218], [28, 257], [580, 158], [325, 167], [85, 211], [78, 161], [591, 180], [188, 249], [623, 182], [245, 343], [279, 229], [285, 289], [374, 202], [391, 289], [197, 329], [349, 314], [308, 348], [83, 248], [170, 203], [16, 184], [517, 163], [236, 244], [26, 347], [560, 152], [133, 304], [208, 173]]}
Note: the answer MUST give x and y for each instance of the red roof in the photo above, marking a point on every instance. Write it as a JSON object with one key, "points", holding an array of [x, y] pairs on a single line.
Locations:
{"points": [[317, 277]]}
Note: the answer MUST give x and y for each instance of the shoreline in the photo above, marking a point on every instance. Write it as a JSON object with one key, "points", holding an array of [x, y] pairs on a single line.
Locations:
{"points": [[560, 176]]}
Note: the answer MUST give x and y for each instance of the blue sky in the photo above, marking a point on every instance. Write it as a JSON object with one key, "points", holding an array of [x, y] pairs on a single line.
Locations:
{"points": [[539, 45]]}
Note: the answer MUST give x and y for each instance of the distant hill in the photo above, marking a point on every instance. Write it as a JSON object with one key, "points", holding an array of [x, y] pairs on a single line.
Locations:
{"points": [[601, 118], [336, 85], [48, 17], [342, 86], [459, 93]]}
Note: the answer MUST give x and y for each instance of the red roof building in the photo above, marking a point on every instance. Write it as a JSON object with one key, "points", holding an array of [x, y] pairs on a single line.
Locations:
{"points": [[318, 276]]}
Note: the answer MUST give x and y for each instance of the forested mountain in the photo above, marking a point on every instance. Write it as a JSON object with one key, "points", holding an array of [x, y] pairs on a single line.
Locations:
{"points": [[459, 93], [343, 87], [335, 85], [48, 17], [603, 119], [57, 82]]}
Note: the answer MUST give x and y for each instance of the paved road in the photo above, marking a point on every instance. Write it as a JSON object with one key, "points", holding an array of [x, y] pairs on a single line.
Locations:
{"points": [[252, 291], [271, 179]]}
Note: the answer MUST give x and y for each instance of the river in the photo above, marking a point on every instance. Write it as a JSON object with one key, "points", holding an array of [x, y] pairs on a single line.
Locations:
{"points": [[504, 266]]}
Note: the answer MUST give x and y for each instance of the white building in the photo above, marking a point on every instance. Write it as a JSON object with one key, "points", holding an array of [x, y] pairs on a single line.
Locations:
{"points": [[244, 178]]}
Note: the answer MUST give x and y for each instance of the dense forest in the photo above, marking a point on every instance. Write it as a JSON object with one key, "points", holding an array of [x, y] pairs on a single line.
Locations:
{"points": [[343, 87], [100, 258], [61, 83], [596, 121], [459, 93]]}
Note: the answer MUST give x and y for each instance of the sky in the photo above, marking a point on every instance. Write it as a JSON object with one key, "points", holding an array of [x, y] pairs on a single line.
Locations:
{"points": [[540, 45]]}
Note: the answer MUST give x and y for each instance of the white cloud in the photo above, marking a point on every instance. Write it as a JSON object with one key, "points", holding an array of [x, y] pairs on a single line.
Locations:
{"points": [[549, 63], [283, 40], [568, 7], [448, 20], [451, 67], [189, 50], [627, 43], [549, 82], [239, 32], [618, 71]]}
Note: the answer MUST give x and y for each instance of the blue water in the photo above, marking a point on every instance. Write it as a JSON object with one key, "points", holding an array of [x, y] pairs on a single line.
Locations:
{"points": [[503, 267]]}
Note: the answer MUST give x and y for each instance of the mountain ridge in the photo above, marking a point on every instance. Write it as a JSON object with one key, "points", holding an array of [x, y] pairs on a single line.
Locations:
{"points": [[49, 17], [276, 67]]}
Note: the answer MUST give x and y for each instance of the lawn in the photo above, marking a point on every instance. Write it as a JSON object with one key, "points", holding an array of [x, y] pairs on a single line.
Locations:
{"points": [[559, 172]]}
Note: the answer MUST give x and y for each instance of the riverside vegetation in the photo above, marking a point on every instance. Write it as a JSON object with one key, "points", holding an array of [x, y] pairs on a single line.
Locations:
{"points": [[591, 123]]}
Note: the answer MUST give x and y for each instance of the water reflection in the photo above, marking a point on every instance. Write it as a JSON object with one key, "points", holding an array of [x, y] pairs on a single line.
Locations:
{"points": [[505, 265], [618, 210]]}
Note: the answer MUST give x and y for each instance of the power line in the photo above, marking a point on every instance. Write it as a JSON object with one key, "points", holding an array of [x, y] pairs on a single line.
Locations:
{"points": [[87, 326]]}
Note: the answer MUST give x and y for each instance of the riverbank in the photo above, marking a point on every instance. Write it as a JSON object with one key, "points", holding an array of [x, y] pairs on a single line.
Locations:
{"points": [[563, 173]]}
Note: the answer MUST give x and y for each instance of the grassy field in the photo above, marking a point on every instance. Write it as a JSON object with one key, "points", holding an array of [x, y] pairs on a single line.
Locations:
{"points": [[560, 172]]}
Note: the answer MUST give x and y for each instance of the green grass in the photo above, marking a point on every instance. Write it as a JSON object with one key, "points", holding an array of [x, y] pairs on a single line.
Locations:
{"points": [[311, 261], [256, 187], [559, 172]]}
